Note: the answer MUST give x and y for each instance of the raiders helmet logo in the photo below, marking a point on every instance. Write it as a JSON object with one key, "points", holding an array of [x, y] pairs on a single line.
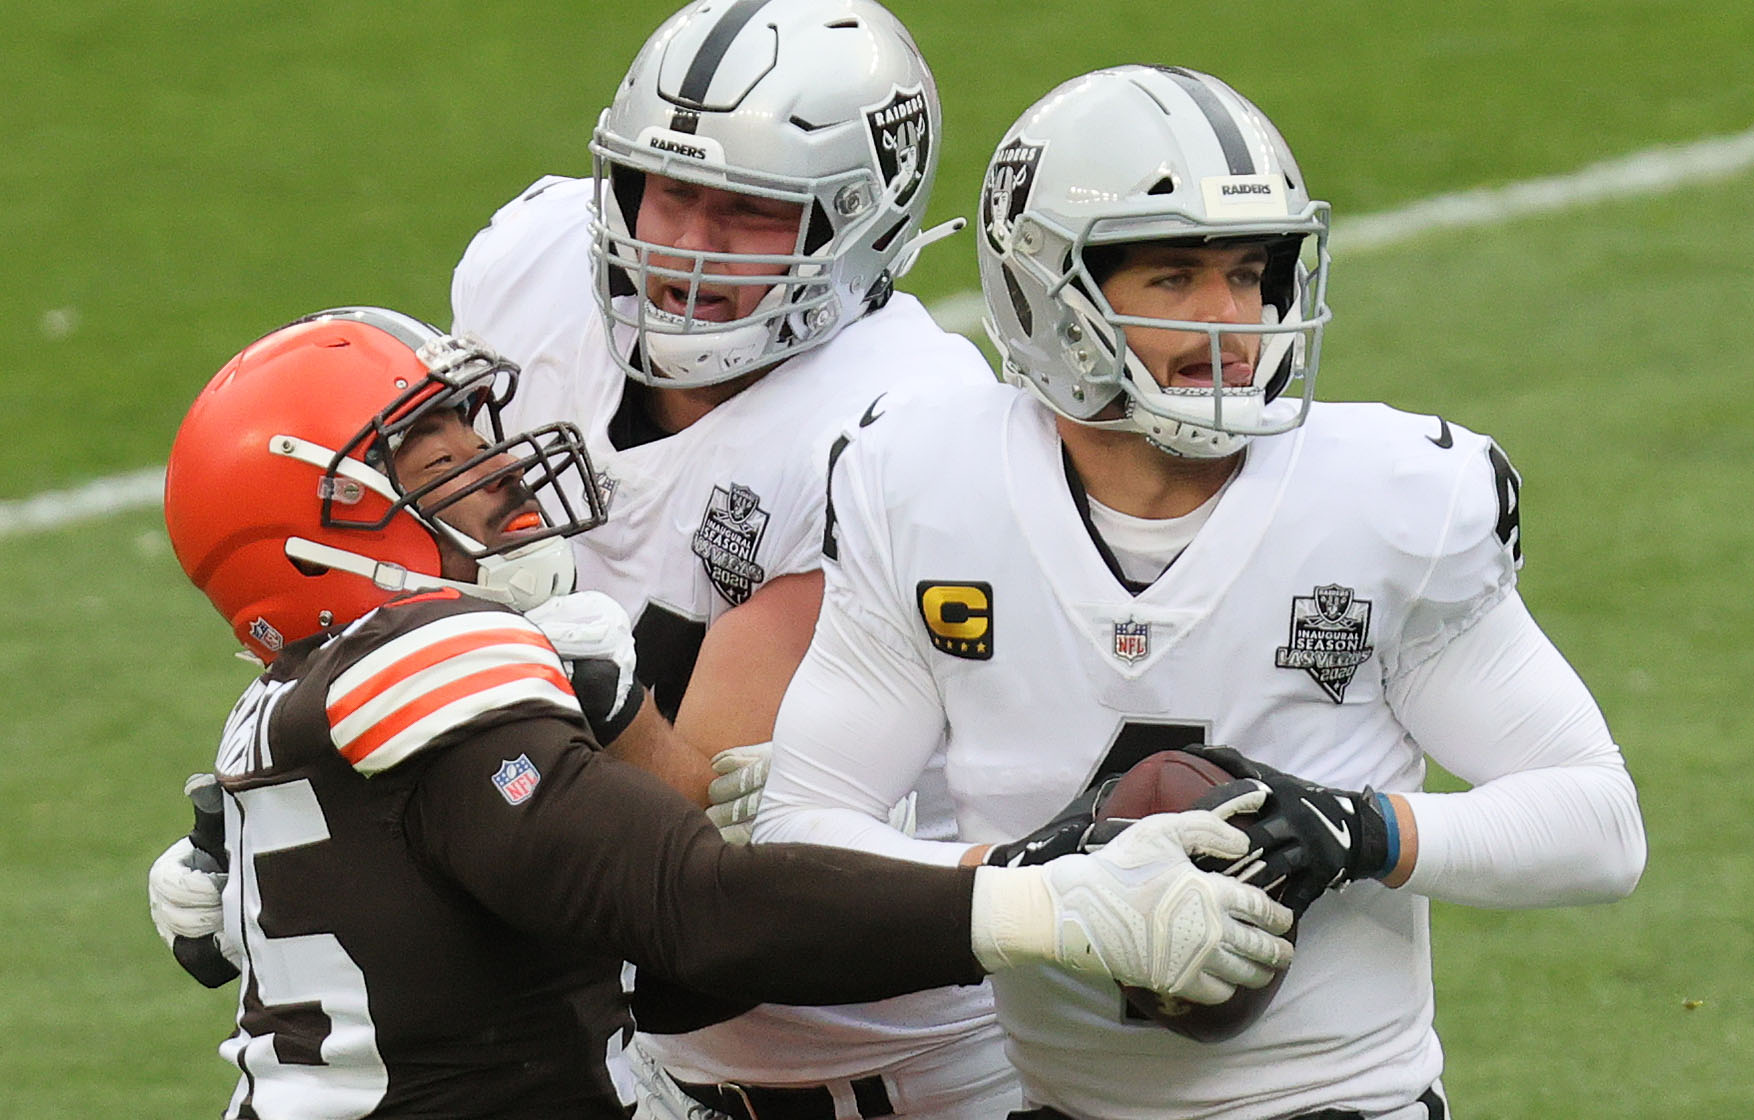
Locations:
{"points": [[901, 138], [1005, 194]]}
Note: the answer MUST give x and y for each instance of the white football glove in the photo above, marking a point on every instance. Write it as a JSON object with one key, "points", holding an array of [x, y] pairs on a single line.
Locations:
{"points": [[1139, 911], [735, 795], [183, 891], [589, 626]]}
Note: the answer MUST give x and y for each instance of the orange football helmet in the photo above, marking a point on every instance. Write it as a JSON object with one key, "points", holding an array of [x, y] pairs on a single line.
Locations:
{"points": [[281, 496]]}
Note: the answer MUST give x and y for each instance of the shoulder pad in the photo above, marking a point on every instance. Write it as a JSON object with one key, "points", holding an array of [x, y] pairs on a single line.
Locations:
{"points": [[434, 664]]}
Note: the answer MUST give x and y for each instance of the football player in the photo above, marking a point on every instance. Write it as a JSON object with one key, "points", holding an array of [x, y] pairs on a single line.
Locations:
{"points": [[1158, 539], [713, 307], [435, 875]]}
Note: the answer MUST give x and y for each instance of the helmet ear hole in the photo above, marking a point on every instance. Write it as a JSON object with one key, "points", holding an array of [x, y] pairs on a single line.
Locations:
{"points": [[307, 568]]}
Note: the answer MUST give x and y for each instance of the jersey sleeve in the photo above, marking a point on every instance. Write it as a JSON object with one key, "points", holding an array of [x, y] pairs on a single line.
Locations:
{"points": [[593, 852], [435, 669], [1552, 818], [1469, 558], [862, 718]]}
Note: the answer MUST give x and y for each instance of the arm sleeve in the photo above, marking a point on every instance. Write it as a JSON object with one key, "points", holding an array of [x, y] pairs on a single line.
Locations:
{"points": [[858, 725], [1552, 818], [604, 856], [862, 717]]}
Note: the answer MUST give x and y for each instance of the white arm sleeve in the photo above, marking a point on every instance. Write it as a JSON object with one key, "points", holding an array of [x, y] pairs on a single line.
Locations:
{"points": [[858, 725], [1552, 818]]}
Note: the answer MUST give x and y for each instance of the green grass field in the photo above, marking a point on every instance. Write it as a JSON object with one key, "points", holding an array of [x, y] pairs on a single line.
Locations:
{"points": [[181, 177]]}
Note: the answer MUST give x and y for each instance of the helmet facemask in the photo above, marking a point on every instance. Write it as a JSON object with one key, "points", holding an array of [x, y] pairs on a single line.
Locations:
{"points": [[805, 299], [1199, 421], [827, 107], [548, 463]]}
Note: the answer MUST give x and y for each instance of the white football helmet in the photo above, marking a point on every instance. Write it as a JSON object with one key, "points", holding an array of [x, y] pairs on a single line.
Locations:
{"points": [[824, 103], [1148, 154]]}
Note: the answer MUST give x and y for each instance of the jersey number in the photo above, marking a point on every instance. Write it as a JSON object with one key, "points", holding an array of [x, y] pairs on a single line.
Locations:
{"points": [[667, 646], [308, 982], [1510, 490], [1139, 739]]}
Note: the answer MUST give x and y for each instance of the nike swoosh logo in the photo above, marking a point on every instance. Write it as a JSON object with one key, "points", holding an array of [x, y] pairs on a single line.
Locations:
{"points": [[1443, 439], [1341, 832], [871, 413]]}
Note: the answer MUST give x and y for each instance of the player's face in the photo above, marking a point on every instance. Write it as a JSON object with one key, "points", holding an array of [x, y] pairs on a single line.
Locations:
{"points": [[706, 219], [497, 512], [1206, 284]]}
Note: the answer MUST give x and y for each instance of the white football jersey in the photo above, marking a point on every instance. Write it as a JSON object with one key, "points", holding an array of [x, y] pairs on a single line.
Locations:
{"points": [[1342, 554], [700, 519]]}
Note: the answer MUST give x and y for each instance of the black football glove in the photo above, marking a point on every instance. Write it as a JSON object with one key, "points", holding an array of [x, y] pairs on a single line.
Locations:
{"points": [[202, 957], [1307, 837], [1073, 830]]}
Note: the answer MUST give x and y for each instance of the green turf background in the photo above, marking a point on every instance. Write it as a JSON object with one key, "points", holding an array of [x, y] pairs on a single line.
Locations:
{"points": [[179, 177]]}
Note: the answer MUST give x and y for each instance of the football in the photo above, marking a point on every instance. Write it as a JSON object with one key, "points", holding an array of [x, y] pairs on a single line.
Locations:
{"points": [[1170, 782]]}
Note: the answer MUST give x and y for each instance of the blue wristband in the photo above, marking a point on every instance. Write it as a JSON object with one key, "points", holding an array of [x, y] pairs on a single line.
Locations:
{"points": [[1387, 808]]}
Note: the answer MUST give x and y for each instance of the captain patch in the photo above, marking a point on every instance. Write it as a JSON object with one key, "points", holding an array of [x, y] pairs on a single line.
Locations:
{"points": [[959, 618], [1330, 630]]}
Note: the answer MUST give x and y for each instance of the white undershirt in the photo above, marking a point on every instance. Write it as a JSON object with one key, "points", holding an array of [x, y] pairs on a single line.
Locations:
{"points": [[1144, 547]]}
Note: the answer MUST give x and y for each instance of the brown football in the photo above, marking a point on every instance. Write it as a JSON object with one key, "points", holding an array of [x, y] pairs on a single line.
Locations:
{"points": [[1169, 782]]}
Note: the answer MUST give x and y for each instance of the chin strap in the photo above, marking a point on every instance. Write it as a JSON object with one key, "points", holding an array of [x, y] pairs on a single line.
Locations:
{"points": [[389, 577], [521, 580]]}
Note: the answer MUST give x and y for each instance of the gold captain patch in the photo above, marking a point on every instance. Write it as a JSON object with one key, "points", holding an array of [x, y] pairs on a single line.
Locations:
{"points": [[959, 617]]}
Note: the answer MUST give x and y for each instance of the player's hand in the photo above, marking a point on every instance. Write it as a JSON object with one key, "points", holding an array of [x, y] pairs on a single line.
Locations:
{"points": [[1313, 837], [1140, 912], [593, 636], [184, 888], [1072, 830], [734, 797]]}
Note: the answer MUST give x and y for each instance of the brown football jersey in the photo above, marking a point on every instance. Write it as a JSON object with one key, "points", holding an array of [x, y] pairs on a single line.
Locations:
{"points": [[436, 877]]}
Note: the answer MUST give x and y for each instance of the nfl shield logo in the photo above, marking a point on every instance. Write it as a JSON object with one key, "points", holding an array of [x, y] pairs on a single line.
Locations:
{"points": [[517, 779], [263, 631], [1132, 640]]}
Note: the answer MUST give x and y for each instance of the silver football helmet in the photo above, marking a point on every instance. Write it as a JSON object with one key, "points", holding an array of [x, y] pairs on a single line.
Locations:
{"points": [[1149, 154], [824, 103]]}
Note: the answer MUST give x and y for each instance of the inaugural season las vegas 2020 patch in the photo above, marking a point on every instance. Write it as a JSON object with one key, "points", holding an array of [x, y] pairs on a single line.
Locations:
{"points": [[1329, 632], [729, 535]]}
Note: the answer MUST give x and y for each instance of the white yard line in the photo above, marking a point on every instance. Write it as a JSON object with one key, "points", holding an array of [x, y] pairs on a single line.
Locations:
{"points": [[1649, 172]]}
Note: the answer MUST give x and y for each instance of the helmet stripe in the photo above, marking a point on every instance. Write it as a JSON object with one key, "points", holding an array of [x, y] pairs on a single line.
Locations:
{"points": [[692, 95], [1236, 152]]}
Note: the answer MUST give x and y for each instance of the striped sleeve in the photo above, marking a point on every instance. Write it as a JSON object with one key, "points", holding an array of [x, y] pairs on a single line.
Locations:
{"points": [[438, 677]]}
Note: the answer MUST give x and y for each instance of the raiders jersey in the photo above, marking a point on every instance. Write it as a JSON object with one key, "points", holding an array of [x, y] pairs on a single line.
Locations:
{"points": [[1341, 556], [435, 879], [698, 521], [702, 518]]}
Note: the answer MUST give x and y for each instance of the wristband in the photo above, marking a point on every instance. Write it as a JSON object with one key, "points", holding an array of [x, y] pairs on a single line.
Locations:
{"points": [[1392, 825]]}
